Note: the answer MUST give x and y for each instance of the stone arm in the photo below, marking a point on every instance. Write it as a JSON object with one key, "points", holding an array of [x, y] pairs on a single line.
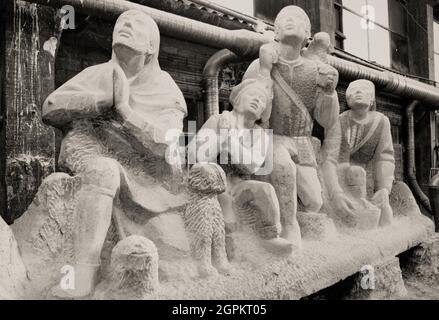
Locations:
{"points": [[330, 155], [327, 109], [384, 159], [330, 152], [76, 100]]}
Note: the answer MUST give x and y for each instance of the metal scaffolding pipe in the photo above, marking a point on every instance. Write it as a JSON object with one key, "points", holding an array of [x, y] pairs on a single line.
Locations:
{"points": [[410, 158], [242, 42], [210, 80], [245, 43]]}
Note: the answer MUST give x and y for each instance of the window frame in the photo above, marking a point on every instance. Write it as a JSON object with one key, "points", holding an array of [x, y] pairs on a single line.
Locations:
{"points": [[341, 37], [435, 53]]}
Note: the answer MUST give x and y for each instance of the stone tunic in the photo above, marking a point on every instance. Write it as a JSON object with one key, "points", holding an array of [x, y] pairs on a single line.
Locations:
{"points": [[369, 145], [289, 119], [83, 109]]}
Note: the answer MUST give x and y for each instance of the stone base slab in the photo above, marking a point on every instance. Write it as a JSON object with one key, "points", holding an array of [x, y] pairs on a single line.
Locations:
{"points": [[380, 281], [44, 237], [320, 265]]}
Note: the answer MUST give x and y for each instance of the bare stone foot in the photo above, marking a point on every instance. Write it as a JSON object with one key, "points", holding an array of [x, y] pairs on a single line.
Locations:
{"points": [[224, 268], [278, 246]]}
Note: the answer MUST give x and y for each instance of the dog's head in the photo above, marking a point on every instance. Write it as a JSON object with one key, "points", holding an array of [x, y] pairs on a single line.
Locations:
{"points": [[207, 178]]}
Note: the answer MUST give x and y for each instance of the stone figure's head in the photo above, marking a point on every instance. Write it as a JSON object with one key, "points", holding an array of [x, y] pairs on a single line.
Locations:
{"points": [[321, 40], [361, 95], [292, 22], [136, 31], [328, 77], [253, 98], [208, 178], [134, 267]]}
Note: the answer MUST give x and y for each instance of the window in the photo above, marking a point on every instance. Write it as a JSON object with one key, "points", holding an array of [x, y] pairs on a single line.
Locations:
{"points": [[242, 6], [436, 50], [375, 30]]}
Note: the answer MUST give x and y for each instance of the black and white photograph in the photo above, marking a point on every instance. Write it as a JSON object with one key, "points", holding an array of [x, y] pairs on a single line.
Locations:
{"points": [[220, 155]]}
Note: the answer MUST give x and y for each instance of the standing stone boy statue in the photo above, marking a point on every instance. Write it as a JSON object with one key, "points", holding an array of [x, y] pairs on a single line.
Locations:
{"points": [[297, 103]]}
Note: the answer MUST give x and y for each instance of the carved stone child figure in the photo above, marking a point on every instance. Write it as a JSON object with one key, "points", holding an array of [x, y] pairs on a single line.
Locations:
{"points": [[367, 142], [254, 203], [204, 221], [295, 107]]}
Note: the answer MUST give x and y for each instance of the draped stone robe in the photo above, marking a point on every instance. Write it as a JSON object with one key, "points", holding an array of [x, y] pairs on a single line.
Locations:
{"points": [[84, 109]]}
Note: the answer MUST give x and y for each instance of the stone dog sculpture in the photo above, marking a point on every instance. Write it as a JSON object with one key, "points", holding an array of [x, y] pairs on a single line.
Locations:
{"points": [[204, 221], [115, 116], [251, 202], [298, 100]]}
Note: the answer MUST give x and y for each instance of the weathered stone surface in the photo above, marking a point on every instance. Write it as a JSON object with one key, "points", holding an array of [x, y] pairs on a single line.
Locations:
{"points": [[316, 226], [303, 93], [422, 262], [248, 202], [133, 270], [259, 275], [204, 220], [44, 232], [13, 274], [366, 142], [121, 138], [385, 282], [402, 200], [45, 236]]}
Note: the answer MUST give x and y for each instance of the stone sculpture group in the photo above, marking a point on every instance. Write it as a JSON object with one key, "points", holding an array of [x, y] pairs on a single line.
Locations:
{"points": [[115, 118]]}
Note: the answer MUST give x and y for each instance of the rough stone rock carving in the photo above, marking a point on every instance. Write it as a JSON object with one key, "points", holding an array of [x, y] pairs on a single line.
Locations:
{"points": [[204, 221], [133, 270], [366, 141], [115, 117], [365, 214], [14, 280], [250, 203], [299, 99]]}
